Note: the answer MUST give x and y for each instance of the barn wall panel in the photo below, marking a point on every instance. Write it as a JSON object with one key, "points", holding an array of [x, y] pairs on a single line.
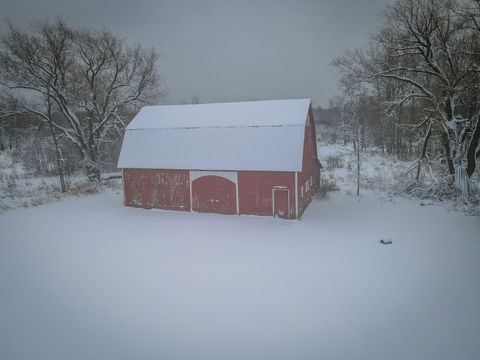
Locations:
{"points": [[255, 191], [134, 183], [309, 178], [157, 188]]}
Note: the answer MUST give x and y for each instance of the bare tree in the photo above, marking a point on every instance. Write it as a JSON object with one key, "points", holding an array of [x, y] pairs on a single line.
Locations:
{"points": [[429, 47], [92, 78], [427, 56]]}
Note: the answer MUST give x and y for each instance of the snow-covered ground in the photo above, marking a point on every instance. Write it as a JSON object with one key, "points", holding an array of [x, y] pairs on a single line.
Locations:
{"points": [[379, 172], [89, 279], [19, 189], [86, 278], [387, 177]]}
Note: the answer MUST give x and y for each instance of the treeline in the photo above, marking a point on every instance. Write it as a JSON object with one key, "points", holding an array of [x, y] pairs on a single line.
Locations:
{"points": [[414, 89], [29, 142], [69, 93]]}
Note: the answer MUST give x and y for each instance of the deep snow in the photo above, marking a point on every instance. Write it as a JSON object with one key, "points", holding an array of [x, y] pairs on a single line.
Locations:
{"points": [[89, 279]]}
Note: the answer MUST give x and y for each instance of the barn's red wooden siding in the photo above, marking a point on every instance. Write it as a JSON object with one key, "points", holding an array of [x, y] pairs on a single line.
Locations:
{"points": [[309, 178], [255, 191], [157, 188]]}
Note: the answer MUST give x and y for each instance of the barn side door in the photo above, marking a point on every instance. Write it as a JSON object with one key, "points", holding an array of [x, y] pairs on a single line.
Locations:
{"points": [[281, 199]]}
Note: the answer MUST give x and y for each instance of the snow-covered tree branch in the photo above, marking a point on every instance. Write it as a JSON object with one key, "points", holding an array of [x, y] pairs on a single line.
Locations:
{"points": [[94, 79], [427, 50]]}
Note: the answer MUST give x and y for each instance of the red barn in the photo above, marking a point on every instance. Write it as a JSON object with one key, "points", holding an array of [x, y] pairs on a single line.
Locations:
{"points": [[252, 158]]}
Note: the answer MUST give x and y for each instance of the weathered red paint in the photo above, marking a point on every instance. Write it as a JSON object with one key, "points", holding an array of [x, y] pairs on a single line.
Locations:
{"points": [[214, 194], [309, 178], [157, 188], [255, 190]]}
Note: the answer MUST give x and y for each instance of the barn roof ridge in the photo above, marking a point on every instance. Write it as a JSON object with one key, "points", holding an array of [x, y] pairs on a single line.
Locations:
{"points": [[241, 113], [234, 102], [213, 127]]}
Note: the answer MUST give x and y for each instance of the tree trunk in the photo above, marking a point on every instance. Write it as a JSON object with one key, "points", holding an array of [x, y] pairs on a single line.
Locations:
{"points": [[91, 166], [357, 152], [93, 173], [455, 162], [358, 170], [448, 153], [58, 156], [424, 151], [462, 183], [10, 140], [472, 149]]}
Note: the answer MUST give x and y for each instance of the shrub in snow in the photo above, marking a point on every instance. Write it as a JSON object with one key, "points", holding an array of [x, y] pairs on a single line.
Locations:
{"points": [[437, 188], [333, 162], [327, 185], [82, 186]]}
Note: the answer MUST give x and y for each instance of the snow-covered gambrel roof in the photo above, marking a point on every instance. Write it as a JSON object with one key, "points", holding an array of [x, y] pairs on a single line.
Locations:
{"points": [[252, 135]]}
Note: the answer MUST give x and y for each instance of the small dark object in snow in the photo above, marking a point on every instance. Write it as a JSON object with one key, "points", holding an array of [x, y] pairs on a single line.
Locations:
{"points": [[425, 204], [385, 242]]}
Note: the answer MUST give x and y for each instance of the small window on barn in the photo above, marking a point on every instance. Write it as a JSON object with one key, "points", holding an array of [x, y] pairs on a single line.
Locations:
{"points": [[301, 191]]}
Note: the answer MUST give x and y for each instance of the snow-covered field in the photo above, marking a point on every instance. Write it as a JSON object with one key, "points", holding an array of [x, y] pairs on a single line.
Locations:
{"points": [[86, 278], [389, 178], [89, 279], [19, 189]]}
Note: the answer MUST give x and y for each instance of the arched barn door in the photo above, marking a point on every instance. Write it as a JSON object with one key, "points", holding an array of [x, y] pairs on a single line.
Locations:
{"points": [[214, 194]]}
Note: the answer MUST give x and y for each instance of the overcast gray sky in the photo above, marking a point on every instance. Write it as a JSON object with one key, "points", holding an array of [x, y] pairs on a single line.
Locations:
{"points": [[227, 50]]}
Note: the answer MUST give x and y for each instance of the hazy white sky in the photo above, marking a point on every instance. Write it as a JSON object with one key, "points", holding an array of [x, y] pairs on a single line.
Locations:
{"points": [[227, 50]]}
